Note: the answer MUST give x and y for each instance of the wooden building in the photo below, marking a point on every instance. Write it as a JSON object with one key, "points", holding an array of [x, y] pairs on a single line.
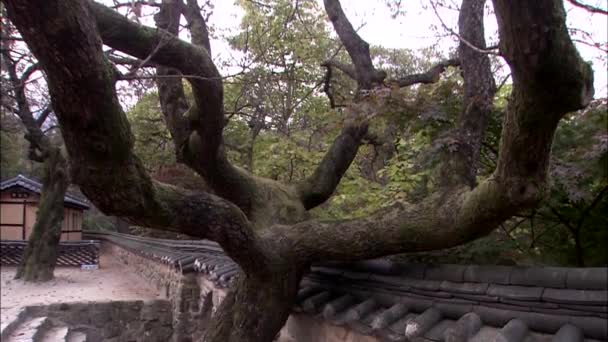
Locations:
{"points": [[19, 206]]}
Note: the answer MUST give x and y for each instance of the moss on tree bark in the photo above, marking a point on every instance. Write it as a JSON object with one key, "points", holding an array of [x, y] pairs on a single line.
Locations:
{"points": [[550, 79], [40, 255]]}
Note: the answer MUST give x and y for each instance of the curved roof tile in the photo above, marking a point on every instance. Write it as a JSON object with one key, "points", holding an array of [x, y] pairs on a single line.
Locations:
{"points": [[413, 302]]}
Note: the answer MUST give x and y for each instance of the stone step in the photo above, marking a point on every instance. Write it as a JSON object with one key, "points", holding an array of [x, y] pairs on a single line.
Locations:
{"points": [[42, 329], [27, 330], [76, 336], [12, 323], [55, 334]]}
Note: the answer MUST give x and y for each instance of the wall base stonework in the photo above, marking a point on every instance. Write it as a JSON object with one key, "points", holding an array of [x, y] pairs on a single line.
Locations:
{"points": [[145, 321], [192, 297], [381, 300]]}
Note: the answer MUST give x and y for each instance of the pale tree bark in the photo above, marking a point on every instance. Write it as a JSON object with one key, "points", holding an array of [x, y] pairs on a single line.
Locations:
{"points": [[40, 255], [550, 79], [358, 49], [460, 166]]}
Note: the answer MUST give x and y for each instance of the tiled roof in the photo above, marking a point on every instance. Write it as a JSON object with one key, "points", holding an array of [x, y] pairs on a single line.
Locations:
{"points": [[416, 302], [400, 302], [35, 186]]}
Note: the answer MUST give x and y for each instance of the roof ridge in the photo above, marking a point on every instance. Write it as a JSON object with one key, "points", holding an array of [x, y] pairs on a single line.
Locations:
{"points": [[590, 278], [34, 185], [570, 278], [433, 303]]}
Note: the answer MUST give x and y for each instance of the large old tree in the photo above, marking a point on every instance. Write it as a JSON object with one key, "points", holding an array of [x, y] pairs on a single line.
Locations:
{"points": [[263, 224]]}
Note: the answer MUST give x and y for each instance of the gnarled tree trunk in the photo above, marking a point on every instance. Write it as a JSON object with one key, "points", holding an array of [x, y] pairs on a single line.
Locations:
{"points": [[255, 308], [40, 256], [246, 214]]}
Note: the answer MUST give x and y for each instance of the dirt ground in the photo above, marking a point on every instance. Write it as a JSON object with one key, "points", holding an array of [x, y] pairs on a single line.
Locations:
{"points": [[110, 282]]}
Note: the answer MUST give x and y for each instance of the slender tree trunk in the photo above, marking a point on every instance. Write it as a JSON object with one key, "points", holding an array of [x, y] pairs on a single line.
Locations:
{"points": [[40, 256], [255, 309]]}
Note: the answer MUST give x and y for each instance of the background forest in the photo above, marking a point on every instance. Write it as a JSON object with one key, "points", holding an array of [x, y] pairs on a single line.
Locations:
{"points": [[281, 123]]}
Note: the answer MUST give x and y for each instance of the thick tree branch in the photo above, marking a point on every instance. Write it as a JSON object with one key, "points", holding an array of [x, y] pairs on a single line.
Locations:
{"points": [[196, 24], [546, 57], [349, 70], [200, 136], [550, 79], [170, 89], [441, 221], [98, 139], [317, 188], [479, 89], [529, 32], [358, 49], [227, 181], [430, 76], [206, 114]]}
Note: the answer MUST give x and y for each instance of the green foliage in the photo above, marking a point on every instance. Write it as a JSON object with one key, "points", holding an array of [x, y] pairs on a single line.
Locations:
{"points": [[281, 126], [95, 221], [578, 199], [14, 150], [285, 159], [153, 142], [283, 48], [12, 146], [570, 226], [11, 155], [416, 121]]}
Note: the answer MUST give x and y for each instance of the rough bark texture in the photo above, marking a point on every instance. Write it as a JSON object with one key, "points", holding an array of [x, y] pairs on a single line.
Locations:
{"points": [[479, 89], [99, 141], [319, 187], [430, 76], [322, 183], [550, 79], [222, 177], [255, 308], [40, 255], [358, 49]]}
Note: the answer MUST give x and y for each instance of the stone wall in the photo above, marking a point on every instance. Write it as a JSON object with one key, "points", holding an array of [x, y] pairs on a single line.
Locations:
{"points": [[380, 300], [193, 298], [166, 279], [112, 321]]}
